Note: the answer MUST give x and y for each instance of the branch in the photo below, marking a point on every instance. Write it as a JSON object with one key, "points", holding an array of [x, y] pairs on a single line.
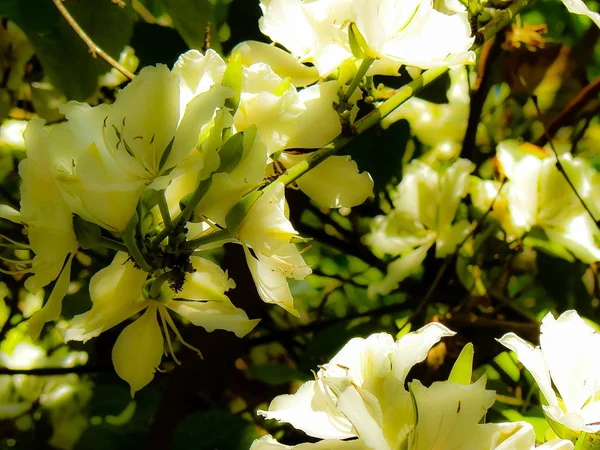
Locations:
{"points": [[578, 102], [561, 168], [488, 58], [93, 48], [52, 371]]}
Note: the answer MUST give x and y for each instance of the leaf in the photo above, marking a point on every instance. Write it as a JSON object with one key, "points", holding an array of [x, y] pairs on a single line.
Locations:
{"points": [[463, 367], [214, 429], [65, 58], [388, 144], [277, 373], [190, 18]]}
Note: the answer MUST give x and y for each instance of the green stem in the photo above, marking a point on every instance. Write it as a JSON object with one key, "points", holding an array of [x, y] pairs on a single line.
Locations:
{"points": [[211, 238], [362, 71], [157, 284], [187, 212], [112, 244], [403, 94], [164, 208]]}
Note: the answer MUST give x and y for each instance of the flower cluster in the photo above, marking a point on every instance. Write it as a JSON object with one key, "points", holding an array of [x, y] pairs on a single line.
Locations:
{"points": [[157, 176], [359, 400]]}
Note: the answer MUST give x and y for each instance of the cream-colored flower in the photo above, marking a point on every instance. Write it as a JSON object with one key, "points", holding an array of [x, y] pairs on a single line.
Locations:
{"points": [[425, 206], [266, 234], [143, 140], [366, 374], [415, 33], [537, 194], [117, 295], [568, 377]]}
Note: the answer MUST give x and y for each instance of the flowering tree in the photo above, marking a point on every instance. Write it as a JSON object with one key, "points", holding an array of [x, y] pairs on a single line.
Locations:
{"points": [[204, 201]]}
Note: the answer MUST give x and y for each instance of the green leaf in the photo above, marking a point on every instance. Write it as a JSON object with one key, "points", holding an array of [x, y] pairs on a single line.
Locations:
{"points": [[232, 78], [214, 429], [231, 153], [277, 373], [190, 18], [65, 58], [389, 144], [463, 367]]}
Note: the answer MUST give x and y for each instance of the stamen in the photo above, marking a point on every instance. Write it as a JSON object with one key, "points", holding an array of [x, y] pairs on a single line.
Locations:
{"points": [[18, 244], [16, 261], [161, 313], [16, 272], [179, 338]]}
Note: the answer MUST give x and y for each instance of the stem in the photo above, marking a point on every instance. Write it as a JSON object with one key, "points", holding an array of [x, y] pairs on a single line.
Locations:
{"points": [[94, 49], [157, 284], [211, 238], [362, 71], [164, 208], [112, 244], [187, 212]]}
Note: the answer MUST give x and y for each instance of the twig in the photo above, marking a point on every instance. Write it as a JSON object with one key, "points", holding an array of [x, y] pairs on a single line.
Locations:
{"points": [[359, 252], [479, 96], [93, 48], [561, 168], [578, 102], [581, 132], [51, 371]]}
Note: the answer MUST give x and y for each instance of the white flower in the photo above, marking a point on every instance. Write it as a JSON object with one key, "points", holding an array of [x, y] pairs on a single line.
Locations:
{"points": [[360, 395], [425, 205], [365, 375], [396, 32], [565, 369], [116, 293], [538, 195], [109, 154], [266, 234]]}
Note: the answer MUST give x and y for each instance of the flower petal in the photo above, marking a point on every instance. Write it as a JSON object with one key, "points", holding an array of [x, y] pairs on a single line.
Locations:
{"points": [[138, 350], [310, 410]]}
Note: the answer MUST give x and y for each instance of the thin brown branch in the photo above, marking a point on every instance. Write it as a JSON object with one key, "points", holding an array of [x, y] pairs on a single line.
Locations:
{"points": [[583, 97], [93, 48], [561, 168]]}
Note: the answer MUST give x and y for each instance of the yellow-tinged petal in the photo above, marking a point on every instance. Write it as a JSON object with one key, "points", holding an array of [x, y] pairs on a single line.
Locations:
{"points": [[284, 64], [138, 350], [335, 183], [8, 213], [211, 315], [48, 218], [266, 227], [52, 308], [271, 282]]}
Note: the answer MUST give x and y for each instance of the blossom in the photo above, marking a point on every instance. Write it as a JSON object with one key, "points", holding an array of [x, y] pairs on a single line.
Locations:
{"points": [[361, 394], [396, 32], [567, 376], [284, 118], [538, 195], [111, 153], [266, 234], [49, 225], [425, 206], [117, 294], [364, 372]]}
